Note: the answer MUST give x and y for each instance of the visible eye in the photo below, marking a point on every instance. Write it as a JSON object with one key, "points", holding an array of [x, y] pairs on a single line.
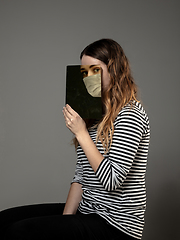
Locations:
{"points": [[96, 70], [84, 73]]}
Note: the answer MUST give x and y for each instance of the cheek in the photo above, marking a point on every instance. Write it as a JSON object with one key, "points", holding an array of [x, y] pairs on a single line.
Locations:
{"points": [[105, 80]]}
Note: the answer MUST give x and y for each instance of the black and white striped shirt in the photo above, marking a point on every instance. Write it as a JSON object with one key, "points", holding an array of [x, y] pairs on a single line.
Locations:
{"points": [[116, 191]]}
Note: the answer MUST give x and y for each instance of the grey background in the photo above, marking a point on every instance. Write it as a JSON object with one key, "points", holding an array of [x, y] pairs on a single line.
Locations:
{"points": [[37, 40]]}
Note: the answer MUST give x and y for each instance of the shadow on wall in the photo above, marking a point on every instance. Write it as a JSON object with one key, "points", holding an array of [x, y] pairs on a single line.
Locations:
{"points": [[163, 213]]}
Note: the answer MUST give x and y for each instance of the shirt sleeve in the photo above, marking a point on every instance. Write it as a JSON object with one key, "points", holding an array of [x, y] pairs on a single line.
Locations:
{"points": [[78, 176], [128, 131]]}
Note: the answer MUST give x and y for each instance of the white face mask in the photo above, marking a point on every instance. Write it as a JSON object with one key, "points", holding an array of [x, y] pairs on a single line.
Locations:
{"points": [[93, 85]]}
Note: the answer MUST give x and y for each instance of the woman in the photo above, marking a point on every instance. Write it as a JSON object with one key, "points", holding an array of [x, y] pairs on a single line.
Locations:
{"points": [[107, 197]]}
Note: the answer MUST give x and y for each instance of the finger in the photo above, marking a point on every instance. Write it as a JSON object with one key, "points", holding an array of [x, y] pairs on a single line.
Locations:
{"points": [[71, 111], [64, 114], [68, 116], [68, 120], [68, 124]]}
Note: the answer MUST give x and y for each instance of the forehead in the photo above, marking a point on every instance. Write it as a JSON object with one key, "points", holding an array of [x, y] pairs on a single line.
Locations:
{"points": [[87, 60]]}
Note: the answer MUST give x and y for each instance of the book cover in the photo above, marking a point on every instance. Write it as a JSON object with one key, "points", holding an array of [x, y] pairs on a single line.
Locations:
{"points": [[83, 90]]}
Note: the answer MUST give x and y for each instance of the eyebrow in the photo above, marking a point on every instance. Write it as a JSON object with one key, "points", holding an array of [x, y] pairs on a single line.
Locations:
{"points": [[89, 67]]}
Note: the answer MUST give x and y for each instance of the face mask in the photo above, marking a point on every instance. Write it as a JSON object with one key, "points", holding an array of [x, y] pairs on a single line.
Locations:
{"points": [[93, 85]]}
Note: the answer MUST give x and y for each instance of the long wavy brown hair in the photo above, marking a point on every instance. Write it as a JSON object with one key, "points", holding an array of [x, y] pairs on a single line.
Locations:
{"points": [[121, 90]]}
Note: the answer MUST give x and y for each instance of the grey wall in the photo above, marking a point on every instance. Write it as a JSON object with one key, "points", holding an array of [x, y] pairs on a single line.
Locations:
{"points": [[38, 38]]}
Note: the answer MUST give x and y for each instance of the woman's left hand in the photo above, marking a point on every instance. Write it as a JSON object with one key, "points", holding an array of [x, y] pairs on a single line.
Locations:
{"points": [[73, 121]]}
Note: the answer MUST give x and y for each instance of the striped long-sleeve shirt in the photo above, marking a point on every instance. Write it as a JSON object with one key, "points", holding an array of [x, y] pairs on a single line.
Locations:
{"points": [[116, 191]]}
